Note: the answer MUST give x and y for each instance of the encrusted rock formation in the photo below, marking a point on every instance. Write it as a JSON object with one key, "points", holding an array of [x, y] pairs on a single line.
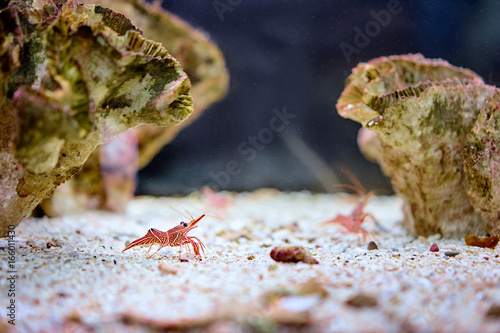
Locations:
{"points": [[99, 186], [74, 77], [434, 129]]}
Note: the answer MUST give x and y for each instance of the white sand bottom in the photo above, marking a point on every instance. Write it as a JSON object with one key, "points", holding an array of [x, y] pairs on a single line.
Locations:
{"points": [[73, 277]]}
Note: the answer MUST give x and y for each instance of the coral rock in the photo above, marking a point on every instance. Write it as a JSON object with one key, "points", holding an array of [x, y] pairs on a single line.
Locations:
{"points": [[94, 187], [482, 163], [451, 253], [74, 77], [433, 128]]}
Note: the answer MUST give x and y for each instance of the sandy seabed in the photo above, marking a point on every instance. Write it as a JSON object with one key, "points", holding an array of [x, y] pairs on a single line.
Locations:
{"points": [[72, 275]]}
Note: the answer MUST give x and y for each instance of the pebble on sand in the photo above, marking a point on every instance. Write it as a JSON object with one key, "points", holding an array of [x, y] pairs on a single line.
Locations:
{"points": [[451, 253], [292, 254], [362, 300]]}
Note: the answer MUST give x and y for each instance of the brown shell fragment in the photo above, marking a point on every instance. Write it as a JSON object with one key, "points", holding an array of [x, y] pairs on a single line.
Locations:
{"points": [[292, 254], [362, 300], [433, 128], [75, 76], [493, 312], [489, 242]]}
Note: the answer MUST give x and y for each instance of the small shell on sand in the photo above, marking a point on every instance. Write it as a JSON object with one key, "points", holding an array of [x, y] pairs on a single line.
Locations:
{"points": [[292, 254]]}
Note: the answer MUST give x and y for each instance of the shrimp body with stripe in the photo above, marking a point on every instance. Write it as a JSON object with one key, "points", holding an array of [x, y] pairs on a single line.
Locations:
{"points": [[177, 236]]}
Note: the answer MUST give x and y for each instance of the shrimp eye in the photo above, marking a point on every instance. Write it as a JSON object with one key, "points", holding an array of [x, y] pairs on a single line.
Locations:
{"points": [[184, 224]]}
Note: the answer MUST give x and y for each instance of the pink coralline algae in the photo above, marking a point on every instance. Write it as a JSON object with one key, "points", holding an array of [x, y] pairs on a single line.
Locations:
{"points": [[435, 131]]}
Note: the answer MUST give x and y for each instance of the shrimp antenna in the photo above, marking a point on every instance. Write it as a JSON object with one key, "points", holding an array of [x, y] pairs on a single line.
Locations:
{"points": [[191, 217], [356, 184]]}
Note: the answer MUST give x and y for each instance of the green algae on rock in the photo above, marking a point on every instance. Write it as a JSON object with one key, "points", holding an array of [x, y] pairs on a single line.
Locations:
{"points": [[482, 163], [434, 130], [98, 186], [199, 57], [74, 77]]}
